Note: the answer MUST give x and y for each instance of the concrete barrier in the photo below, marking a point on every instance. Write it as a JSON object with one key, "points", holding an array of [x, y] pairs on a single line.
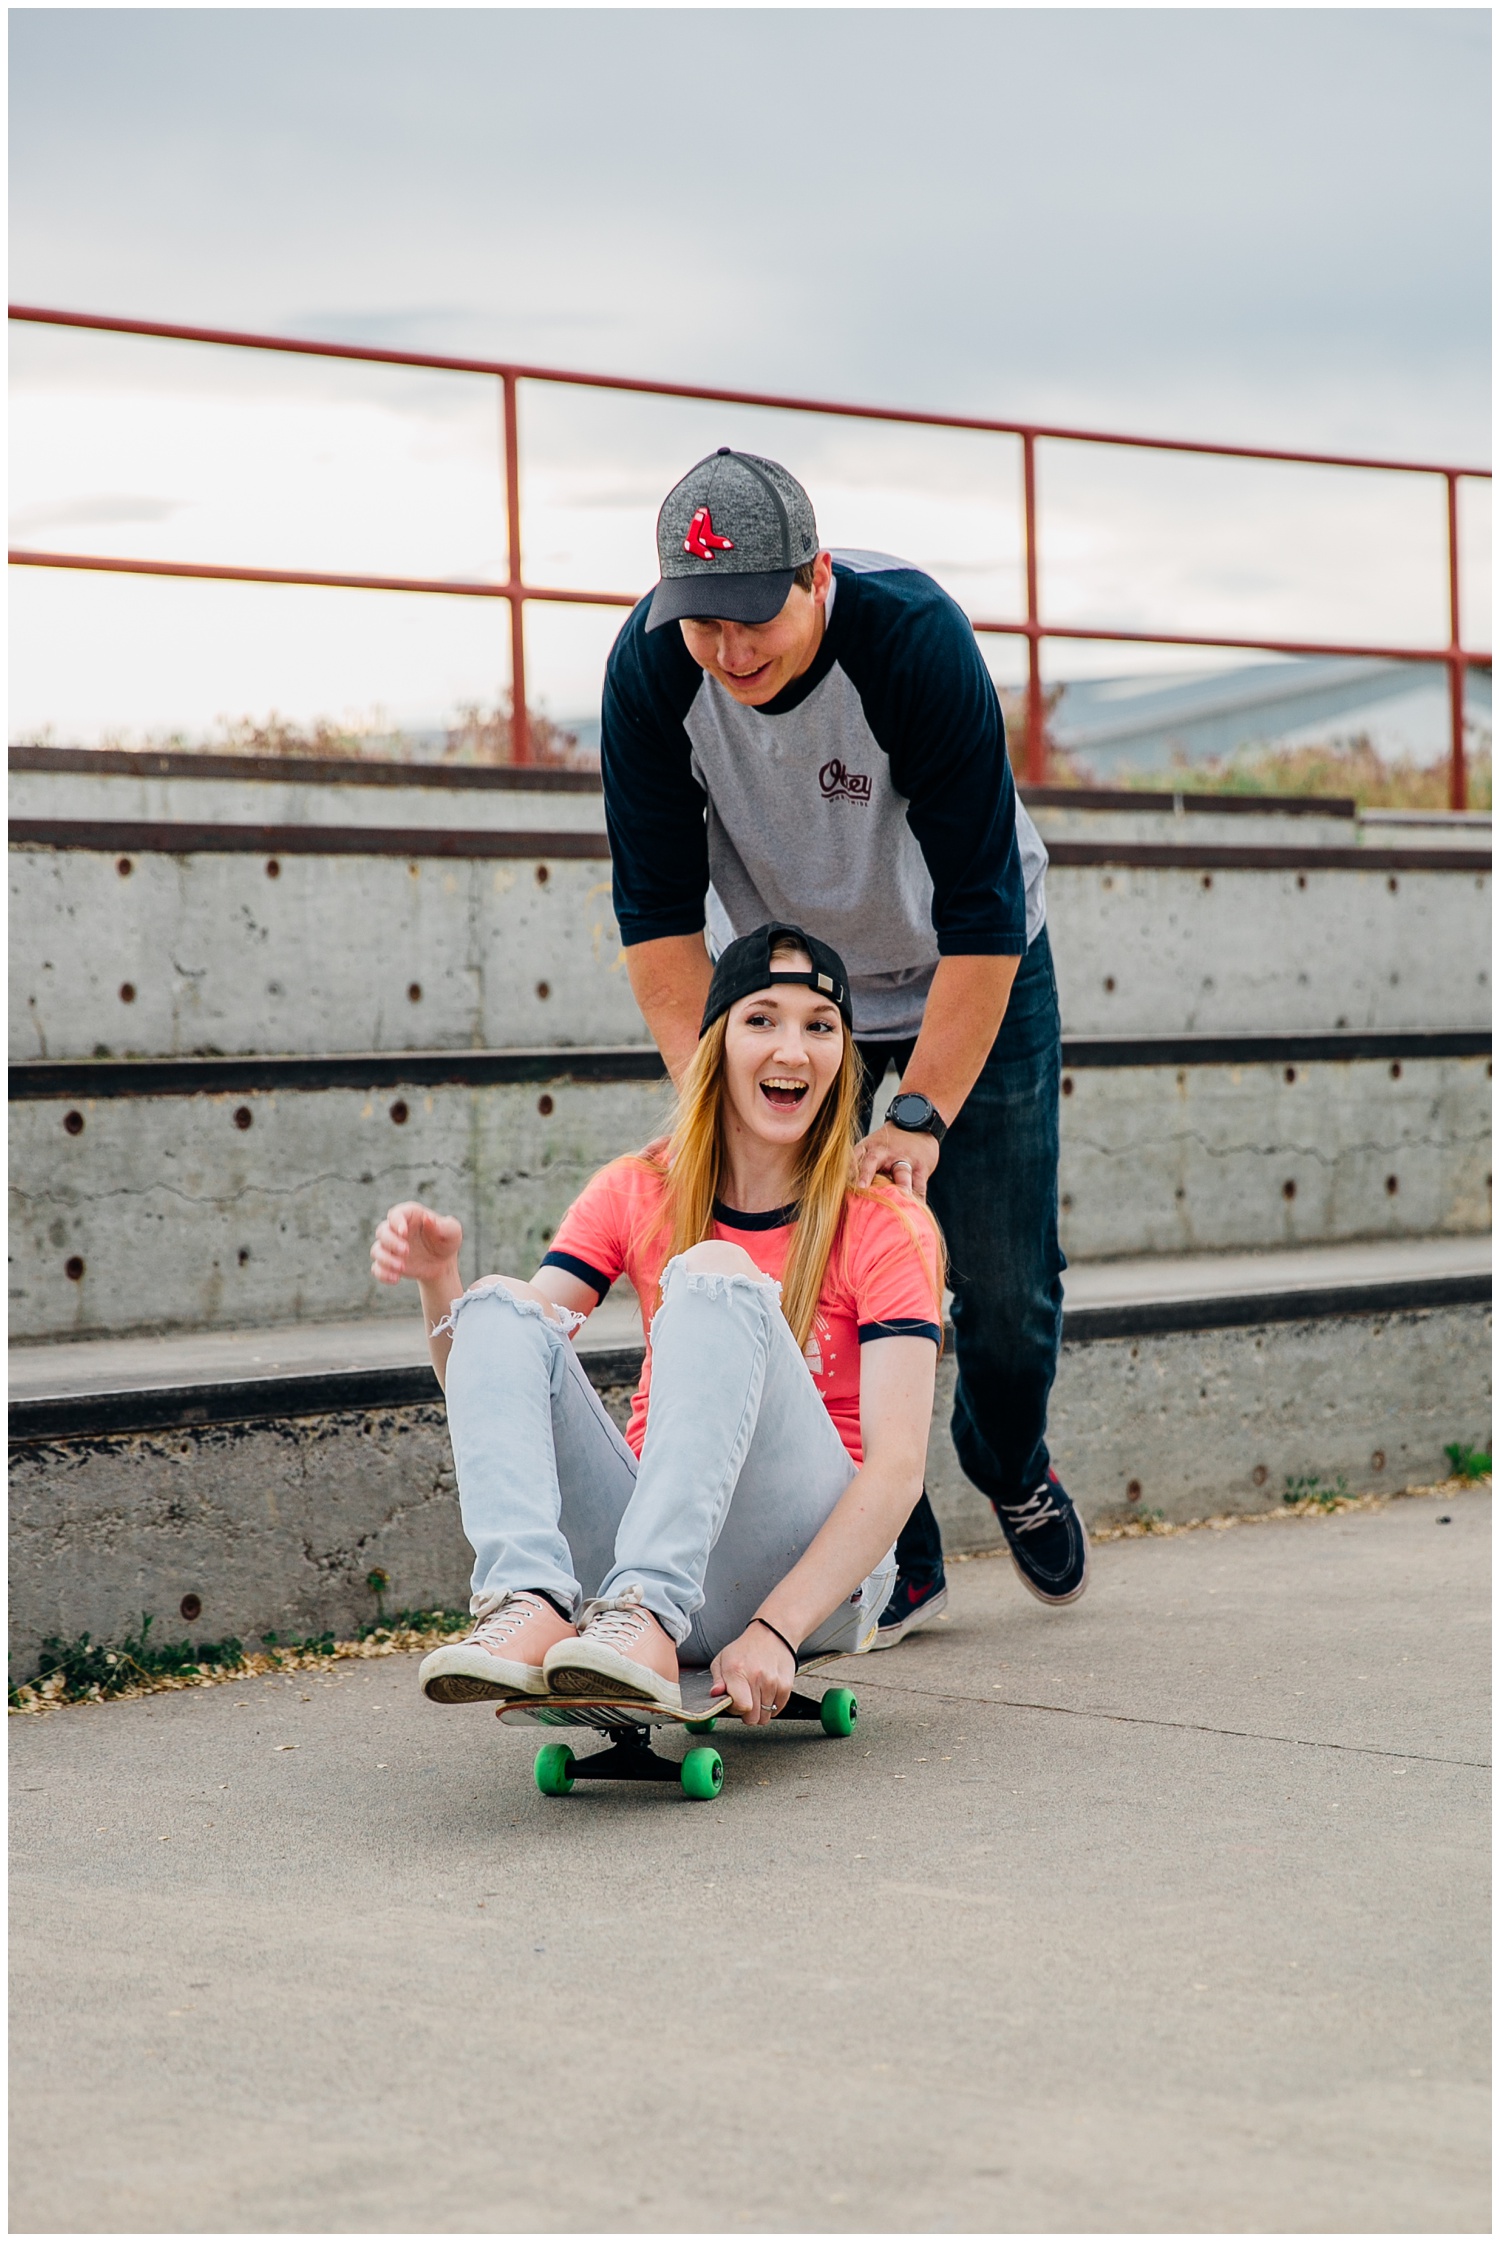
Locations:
{"points": [[385, 942], [176, 787], [222, 1194], [274, 1521]]}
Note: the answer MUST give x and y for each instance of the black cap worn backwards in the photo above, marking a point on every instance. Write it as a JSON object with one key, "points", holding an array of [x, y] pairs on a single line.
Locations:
{"points": [[745, 968]]}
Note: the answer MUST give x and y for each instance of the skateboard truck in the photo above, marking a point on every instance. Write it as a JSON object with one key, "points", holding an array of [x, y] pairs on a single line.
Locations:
{"points": [[629, 1759]]}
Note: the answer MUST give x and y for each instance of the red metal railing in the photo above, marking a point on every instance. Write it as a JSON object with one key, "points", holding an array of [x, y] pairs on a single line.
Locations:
{"points": [[1456, 658]]}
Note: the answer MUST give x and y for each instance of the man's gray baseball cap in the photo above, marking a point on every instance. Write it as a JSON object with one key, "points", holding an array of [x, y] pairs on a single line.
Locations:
{"points": [[729, 540]]}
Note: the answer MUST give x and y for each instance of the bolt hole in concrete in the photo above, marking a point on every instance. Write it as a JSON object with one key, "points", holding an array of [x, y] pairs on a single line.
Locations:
{"points": [[1208, 879], [1393, 883], [1377, 1461], [1290, 1074], [243, 1117], [1395, 1070], [1067, 1085], [1301, 879], [1392, 1186], [73, 1123], [1133, 1491], [191, 1606], [542, 875], [544, 1105], [244, 1255], [1109, 984], [414, 992], [273, 868], [1289, 1189], [400, 1112], [73, 1267], [127, 992], [544, 990], [124, 867], [1259, 1476]]}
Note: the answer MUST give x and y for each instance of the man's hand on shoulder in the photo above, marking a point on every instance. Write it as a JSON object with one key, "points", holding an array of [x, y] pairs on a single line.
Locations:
{"points": [[905, 1155]]}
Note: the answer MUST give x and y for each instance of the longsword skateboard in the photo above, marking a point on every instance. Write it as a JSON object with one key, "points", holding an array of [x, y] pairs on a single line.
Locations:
{"points": [[627, 1725]]}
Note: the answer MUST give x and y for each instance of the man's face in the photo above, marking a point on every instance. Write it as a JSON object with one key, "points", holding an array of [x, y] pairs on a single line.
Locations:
{"points": [[753, 661]]}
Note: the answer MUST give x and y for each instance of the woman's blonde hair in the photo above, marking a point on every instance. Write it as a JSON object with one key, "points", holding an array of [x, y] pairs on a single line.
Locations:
{"points": [[824, 1183]]}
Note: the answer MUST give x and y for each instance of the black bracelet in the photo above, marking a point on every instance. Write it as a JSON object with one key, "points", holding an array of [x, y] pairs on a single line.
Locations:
{"points": [[757, 1621]]}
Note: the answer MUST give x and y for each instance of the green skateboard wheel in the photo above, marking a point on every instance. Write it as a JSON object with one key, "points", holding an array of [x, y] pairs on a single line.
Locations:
{"points": [[839, 1712], [703, 1772], [702, 1727], [554, 1770]]}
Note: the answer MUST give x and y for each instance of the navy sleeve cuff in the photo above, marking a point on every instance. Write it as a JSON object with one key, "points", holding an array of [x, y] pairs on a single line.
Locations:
{"points": [[579, 1269], [901, 1327], [966, 942]]}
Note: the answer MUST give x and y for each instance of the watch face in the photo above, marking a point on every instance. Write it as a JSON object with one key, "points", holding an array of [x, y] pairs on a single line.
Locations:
{"points": [[910, 1110]]}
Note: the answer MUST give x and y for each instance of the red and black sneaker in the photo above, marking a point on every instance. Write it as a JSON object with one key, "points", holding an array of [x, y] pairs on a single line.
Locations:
{"points": [[1047, 1542], [912, 1604]]}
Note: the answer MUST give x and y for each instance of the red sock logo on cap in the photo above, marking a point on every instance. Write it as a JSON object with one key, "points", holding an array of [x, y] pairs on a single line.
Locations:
{"points": [[701, 540]]}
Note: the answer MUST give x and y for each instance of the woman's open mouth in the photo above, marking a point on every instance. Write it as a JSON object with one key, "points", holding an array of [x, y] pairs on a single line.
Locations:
{"points": [[783, 1092]]}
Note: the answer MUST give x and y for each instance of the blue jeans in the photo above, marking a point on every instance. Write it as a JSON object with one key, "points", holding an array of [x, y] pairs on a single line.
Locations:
{"points": [[740, 1468], [995, 1193]]}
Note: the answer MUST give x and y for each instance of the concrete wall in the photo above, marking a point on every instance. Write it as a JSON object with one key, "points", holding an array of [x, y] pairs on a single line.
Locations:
{"points": [[280, 801], [275, 1526], [249, 798], [219, 956], [185, 1219]]}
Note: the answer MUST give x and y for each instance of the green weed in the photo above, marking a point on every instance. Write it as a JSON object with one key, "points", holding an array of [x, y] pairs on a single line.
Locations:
{"points": [[86, 1669], [85, 1672], [1309, 1487], [1467, 1462]]}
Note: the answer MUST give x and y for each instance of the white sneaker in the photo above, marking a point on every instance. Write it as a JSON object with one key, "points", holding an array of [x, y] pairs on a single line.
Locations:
{"points": [[621, 1650], [501, 1658]]}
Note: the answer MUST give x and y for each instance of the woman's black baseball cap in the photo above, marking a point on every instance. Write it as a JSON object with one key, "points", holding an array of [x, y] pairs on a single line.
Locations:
{"points": [[745, 968]]}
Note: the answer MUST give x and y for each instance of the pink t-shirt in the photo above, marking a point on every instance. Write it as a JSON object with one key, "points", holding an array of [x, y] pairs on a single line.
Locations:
{"points": [[880, 1283]]}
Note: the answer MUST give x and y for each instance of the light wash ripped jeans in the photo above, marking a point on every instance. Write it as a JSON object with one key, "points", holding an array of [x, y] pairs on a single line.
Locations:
{"points": [[741, 1464]]}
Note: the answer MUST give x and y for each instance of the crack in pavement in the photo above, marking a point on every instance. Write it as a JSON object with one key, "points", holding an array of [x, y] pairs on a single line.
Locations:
{"points": [[1196, 1727]]}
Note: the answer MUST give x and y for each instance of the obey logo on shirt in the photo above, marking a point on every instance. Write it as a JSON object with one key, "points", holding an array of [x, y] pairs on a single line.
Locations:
{"points": [[839, 784]]}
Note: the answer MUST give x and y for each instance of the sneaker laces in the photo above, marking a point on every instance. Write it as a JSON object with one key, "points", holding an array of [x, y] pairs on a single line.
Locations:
{"points": [[499, 1612], [617, 1622], [1037, 1510]]}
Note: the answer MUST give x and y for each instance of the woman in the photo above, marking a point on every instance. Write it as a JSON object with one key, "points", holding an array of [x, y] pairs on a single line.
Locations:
{"points": [[778, 1437]]}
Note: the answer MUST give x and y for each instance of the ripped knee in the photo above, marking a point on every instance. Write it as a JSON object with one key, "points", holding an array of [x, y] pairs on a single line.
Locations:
{"points": [[713, 1258], [518, 1285]]}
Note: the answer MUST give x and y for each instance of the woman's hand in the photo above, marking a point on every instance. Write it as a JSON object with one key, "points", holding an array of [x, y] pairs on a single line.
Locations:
{"points": [[412, 1241], [756, 1673]]}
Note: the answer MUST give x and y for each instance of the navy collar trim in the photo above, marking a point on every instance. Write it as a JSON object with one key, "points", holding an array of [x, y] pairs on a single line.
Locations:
{"points": [[777, 1219]]}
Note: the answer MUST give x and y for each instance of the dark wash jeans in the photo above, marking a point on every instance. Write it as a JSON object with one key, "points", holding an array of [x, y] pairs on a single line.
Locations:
{"points": [[995, 1193]]}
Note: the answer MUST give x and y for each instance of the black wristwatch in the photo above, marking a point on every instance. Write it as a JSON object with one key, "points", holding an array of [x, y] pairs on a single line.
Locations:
{"points": [[908, 1109]]}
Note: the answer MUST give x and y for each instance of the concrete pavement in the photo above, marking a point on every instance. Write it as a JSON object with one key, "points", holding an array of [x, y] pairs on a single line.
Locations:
{"points": [[1166, 1912]]}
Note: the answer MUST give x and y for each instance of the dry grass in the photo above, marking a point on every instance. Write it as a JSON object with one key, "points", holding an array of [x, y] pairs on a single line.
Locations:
{"points": [[1343, 768], [46, 1696], [1152, 1524]]}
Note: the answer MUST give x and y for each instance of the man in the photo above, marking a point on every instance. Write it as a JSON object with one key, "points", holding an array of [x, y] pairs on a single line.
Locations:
{"points": [[812, 736]]}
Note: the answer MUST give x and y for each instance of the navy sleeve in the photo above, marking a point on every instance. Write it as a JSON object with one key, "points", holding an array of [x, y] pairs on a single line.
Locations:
{"points": [[653, 806], [932, 705]]}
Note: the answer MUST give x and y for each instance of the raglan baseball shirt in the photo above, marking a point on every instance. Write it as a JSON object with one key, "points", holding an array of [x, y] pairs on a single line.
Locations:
{"points": [[871, 801]]}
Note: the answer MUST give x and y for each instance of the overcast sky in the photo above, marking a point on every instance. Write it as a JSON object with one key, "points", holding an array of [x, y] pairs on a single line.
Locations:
{"points": [[1259, 225]]}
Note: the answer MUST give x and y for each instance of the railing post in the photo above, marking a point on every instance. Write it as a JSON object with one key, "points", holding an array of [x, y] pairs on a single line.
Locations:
{"points": [[1458, 776], [1036, 707], [520, 726]]}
